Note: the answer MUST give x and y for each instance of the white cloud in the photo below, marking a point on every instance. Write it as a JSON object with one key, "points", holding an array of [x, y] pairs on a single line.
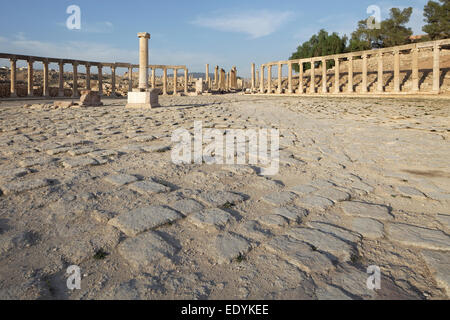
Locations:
{"points": [[255, 23]]}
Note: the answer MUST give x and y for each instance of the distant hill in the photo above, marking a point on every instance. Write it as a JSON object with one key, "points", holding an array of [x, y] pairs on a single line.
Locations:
{"points": [[200, 75]]}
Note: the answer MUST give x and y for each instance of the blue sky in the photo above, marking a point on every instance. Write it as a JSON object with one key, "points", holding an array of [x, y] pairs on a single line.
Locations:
{"points": [[191, 33]]}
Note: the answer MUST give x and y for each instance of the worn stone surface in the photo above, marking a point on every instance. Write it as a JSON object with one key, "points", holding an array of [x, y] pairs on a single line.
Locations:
{"points": [[79, 162], [366, 210], [228, 247], [22, 186], [274, 220], [419, 237], [220, 198], [148, 187], [368, 228], [292, 213], [187, 206], [143, 219], [439, 265], [208, 218], [279, 198], [315, 202], [145, 250], [120, 179]]}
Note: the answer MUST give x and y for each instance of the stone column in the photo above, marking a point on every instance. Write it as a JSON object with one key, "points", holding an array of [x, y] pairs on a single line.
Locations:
{"points": [[88, 76], [290, 77], [261, 83], [280, 80], [75, 80], [130, 79], [415, 69], [300, 77], [436, 68], [269, 79], [164, 81], [216, 77], [364, 74], [113, 81], [324, 76], [253, 84], [257, 79], [350, 74], [143, 60], [175, 79], [380, 72], [186, 80], [337, 75], [30, 78], [313, 78], [61, 79], [233, 81], [13, 78], [153, 78], [45, 91], [100, 79], [207, 75], [396, 70]]}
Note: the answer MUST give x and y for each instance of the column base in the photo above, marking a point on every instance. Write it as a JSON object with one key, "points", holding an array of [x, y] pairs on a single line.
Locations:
{"points": [[143, 100]]}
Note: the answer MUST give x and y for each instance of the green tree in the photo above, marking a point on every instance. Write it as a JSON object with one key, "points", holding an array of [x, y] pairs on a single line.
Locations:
{"points": [[321, 44], [437, 17], [363, 37], [393, 30]]}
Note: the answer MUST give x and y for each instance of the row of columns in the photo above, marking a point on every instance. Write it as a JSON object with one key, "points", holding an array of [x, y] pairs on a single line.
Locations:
{"points": [[46, 82], [349, 59], [165, 78]]}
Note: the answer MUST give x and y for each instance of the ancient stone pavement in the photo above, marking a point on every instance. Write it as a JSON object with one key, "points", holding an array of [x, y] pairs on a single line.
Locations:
{"points": [[362, 182]]}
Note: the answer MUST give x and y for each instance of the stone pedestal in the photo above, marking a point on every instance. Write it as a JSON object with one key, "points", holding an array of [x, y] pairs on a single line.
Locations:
{"points": [[90, 98], [146, 99]]}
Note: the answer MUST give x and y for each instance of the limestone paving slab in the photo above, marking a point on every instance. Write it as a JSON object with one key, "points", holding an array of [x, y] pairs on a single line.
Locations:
{"points": [[368, 228], [210, 218], [145, 250], [279, 198], [142, 219], [366, 210], [220, 198], [316, 202], [120, 180], [439, 265], [148, 187], [292, 213], [79, 162], [229, 246], [187, 206], [22, 186], [410, 235]]}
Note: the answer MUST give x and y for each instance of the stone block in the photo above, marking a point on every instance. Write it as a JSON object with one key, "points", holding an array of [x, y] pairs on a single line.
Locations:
{"points": [[90, 99], [146, 100]]}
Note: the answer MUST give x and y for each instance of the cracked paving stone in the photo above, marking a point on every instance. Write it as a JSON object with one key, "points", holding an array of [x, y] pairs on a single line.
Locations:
{"points": [[79, 152], [410, 191], [316, 202], [79, 162], [439, 265], [187, 206], [253, 230], [444, 219], [148, 187], [368, 228], [333, 194], [145, 250], [120, 180], [366, 210], [324, 242], [292, 213], [142, 219], [228, 247], [410, 235], [214, 217], [274, 221], [303, 189], [220, 198], [279, 198], [22, 186], [336, 231], [299, 254]]}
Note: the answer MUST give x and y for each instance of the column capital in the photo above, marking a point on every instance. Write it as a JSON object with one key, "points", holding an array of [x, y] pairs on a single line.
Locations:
{"points": [[13, 59], [145, 35]]}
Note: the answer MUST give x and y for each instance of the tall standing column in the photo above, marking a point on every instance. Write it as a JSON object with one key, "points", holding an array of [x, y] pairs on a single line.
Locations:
{"points": [[261, 83], [337, 75], [257, 79], [130, 79], [324, 76], [164, 80], [186, 81], [253, 84], [216, 77], [364, 74], [45, 92], [269, 79], [380, 72], [30, 78], [175, 80], [75, 80], [415, 69], [436, 67], [61, 79], [153, 77], [100, 79], [13, 78], [290, 77], [280, 80], [300, 77], [143, 60], [207, 75], [113, 81], [88, 76], [313, 77], [350, 74], [396, 70]]}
